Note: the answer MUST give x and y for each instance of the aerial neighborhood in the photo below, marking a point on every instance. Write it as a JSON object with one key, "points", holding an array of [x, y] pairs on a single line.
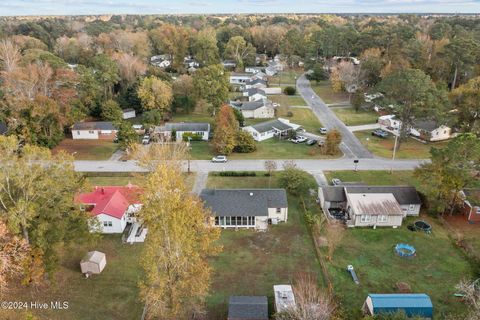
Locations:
{"points": [[244, 167]]}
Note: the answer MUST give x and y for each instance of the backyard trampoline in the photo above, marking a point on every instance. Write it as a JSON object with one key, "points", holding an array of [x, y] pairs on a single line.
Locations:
{"points": [[421, 225], [405, 250]]}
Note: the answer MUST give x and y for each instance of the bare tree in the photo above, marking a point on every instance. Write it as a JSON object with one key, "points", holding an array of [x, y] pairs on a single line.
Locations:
{"points": [[334, 231], [310, 302], [471, 295], [270, 166], [9, 55]]}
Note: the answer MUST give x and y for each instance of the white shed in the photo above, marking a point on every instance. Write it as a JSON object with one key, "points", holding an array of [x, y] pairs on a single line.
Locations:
{"points": [[284, 297], [93, 263], [128, 113]]}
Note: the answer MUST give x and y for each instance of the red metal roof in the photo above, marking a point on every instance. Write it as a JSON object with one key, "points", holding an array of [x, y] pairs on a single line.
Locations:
{"points": [[111, 200]]}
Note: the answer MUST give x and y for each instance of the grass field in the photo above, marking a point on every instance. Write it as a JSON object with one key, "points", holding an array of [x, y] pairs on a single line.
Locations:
{"points": [[379, 177], [269, 149], [87, 149], [193, 117], [435, 270], [287, 101], [354, 118], [383, 147], [252, 262], [324, 90], [302, 116], [113, 294], [285, 78], [123, 180]]}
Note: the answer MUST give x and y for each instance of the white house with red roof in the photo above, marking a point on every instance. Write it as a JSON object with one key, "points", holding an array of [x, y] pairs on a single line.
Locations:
{"points": [[114, 207]]}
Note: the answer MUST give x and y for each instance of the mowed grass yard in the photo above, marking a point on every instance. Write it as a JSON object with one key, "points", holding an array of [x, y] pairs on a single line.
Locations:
{"points": [[436, 269], [409, 149], [355, 118], [287, 101], [252, 262], [302, 116], [87, 149], [324, 90], [269, 149], [377, 177], [113, 294], [287, 77]]}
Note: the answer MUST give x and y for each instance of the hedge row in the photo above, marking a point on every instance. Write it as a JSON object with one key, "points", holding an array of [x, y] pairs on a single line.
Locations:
{"points": [[237, 174]]}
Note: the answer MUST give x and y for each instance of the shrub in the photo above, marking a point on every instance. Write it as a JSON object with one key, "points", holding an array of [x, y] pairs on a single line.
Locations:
{"points": [[244, 143], [295, 181], [237, 174], [289, 114], [289, 91], [192, 136]]}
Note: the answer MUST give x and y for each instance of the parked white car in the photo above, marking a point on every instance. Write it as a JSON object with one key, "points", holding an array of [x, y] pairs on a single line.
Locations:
{"points": [[336, 181], [146, 139], [299, 139], [221, 159]]}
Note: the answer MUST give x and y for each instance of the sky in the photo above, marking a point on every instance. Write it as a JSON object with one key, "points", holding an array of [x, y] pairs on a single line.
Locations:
{"points": [[89, 7]]}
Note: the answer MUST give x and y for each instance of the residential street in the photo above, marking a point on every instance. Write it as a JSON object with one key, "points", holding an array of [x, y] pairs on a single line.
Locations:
{"points": [[351, 147]]}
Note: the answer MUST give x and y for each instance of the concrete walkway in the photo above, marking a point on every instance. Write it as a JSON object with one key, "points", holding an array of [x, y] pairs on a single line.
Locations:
{"points": [[320, 178], [364, 127], [117, 155], [200, 182]]}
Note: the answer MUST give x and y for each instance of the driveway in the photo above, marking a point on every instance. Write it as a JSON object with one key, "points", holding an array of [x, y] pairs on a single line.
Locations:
{"points": [[351, 146], [364, 127]]}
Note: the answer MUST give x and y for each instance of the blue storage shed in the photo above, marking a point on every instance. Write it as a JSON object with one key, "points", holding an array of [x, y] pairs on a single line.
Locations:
{"points": [[413, 304]]}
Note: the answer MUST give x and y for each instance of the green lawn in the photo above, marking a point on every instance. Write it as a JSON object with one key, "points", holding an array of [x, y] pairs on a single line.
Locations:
{"points": [[193, 117], [354, 118], [269, 149], [409, 149], [324, 90], [87, 149], [285, 78], [435, 270], [287, 101], [113, 294], [379, 177], [303, 116], [252, 262]]}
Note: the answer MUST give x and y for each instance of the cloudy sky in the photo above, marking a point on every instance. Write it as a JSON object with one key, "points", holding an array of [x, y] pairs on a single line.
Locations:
{"points": [[67, 7]]}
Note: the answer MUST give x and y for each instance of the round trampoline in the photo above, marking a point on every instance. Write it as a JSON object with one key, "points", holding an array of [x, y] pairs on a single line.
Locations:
{"points": [[405, 250], [423, 226]]}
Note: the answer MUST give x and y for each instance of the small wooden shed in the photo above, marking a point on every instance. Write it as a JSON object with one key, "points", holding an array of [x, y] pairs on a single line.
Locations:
{"points": [[93, 262]]}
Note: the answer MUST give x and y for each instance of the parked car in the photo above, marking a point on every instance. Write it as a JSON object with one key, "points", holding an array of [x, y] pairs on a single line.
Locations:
{"points": [[219, 159], [380, 133], [336, 181], [146, 139], [298, 139], [311, 142], [323, 130]]}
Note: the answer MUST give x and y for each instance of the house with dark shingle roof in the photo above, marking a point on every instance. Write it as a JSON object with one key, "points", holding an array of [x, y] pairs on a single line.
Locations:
{"points": [[273, 128], [3, 128], [430, 130], [248, 308], [260, 109], [255, 83], [164, 133], [104, 130], [255, 94], [246, 208]]}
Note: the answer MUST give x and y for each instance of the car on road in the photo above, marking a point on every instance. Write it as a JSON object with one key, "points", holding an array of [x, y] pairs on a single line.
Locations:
{"points": [[298, 139], [146, 139], [323, 130], [221, 159], [336, 181], [380, 133], [311, 142]]}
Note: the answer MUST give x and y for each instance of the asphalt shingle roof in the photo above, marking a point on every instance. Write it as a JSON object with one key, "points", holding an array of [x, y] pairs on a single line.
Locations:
{"points": [[251, 105], [403, 194], [334, 193], [98, 125], [269, 125], [248, 307], [243, 202], [185, 126]]}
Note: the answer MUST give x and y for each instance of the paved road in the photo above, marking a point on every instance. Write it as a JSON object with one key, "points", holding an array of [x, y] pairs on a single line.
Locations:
{"points": [[351, 146], [312, 166]]}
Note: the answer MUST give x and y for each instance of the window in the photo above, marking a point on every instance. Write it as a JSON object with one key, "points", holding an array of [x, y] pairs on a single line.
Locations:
{"points": [[382, 218], [251, 221], [222, 221], [365, 218], [78, 132], [411, 207], [227, 221], [244, 221], [91, 132], [279, 210], [107, 223]]}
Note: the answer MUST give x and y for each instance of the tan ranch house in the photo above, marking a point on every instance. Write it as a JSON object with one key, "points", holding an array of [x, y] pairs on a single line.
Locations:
{"points": [[246, 208]]}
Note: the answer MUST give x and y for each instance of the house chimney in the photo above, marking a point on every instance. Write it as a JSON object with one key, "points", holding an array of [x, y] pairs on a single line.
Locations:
{"points": [[103, 190]]}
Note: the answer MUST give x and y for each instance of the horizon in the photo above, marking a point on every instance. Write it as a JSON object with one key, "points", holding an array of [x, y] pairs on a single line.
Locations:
{"points": [[11, 8]]}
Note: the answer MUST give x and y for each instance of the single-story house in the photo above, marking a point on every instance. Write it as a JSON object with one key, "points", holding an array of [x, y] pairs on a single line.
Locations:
{"points": [[273, 128], [255, 94], [260, 75], [371, 205], [471, 204], [239, 78], [284, 297], [164, 133], [276, 64], [247, 308], [255, 83], [161, 61], [413, 304], [190, 62], [128, 113], [93, 262], [3, 128], [271, 71], [246, 208], [389, 122], [229, 64], [94, 130], [256, 109], [113, 207], [254, 70], [430, 130]]}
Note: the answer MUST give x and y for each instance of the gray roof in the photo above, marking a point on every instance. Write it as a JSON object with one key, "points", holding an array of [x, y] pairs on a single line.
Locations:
{"points": [[403, 194], [334, 193], [128, 110], [269, 125], [253, 91], [243, 202], [248, 307], [255, 81], [98, 125], [184, 126], [3, 128], [251, 105], [427, 125]]}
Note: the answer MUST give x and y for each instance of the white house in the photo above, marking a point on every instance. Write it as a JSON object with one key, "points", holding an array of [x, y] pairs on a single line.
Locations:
{"points": [[274, 128], [256, 83], [161, 61], [284, 297], [255, 94], [260, 109], [200, 129], [390, 123], [246, 208], [128, 113], [94, 130], [271, 71], [272, 91], [113, 208], [430, 130], [239, 78], [253, 70], [229, 64]]}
